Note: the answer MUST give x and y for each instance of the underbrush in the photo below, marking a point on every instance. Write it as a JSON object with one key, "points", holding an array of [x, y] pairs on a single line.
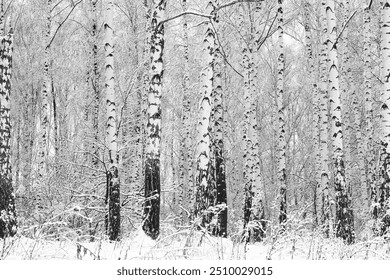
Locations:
{"points": [[297, 240]]}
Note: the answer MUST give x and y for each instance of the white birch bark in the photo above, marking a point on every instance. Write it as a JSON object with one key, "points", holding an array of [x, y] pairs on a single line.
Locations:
{"points": [[369, 143], [220, 199], [247, 62], [185, 188], [384, 183], [324, 217], [112, 196], [346, 94], [316, 111], [8, 222], [151, 224], [344, 214], [44, 127], [281, 120], [203, 199]]}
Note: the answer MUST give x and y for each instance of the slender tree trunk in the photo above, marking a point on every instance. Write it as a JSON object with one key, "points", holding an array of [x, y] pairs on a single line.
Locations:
{"points": [[218, 146], [344, 214], [28, 136], [347, 94], [185, 144], [8, 222], [384, 186], [145, 92], [112, 197], [316, 110], [247, 62], [369, 142], [324, 217], [46, 89], [281, 115], [151, 224], [95, 86]]}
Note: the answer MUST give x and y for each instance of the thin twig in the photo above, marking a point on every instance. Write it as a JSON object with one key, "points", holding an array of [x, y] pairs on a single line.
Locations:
{"points": [[59, 26]]}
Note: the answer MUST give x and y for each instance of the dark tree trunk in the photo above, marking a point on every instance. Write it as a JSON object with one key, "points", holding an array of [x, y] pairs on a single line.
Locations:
{"points": [[151, 224], [114, 218]]}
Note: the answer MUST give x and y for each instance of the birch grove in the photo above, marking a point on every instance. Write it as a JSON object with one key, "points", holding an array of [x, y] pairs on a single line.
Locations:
{"points": [[196, 122]]}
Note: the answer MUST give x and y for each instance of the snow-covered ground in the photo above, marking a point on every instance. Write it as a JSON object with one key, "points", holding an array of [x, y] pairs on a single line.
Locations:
{"points": [[195, 245]]}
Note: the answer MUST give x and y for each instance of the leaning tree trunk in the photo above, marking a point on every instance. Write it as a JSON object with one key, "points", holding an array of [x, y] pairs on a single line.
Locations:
{"points": [[344, 214], [112, 193], [385, 119], [151, 217], [281, 131], [8, 223]]}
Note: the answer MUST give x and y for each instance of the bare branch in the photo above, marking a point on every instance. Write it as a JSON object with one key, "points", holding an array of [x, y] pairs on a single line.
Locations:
{"points": [[233, 3], [183, 14], [344, 26], [59, 26]]}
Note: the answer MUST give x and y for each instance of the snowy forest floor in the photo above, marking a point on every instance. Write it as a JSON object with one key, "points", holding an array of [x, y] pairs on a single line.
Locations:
{"points": [[296, 243]]}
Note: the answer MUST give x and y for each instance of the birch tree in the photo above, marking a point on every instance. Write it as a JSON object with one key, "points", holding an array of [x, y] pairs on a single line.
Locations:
{"points": [[220, 203], [203, 187], [44, 126], [8, 222], [369, 141], [186, 185], [112, 193], [344, 214], [151, 218], [94, 81], [384, 170], [253, 209], [281, 120], [316, 102], [324, 217]]}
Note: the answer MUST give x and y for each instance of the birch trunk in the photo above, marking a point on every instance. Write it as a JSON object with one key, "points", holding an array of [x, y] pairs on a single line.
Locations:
{"points": [[204, 191], [8, 222], [347, 94], [46, 89], [254, 225], [185, 164], [384, 183], [316, 110], [324, 217], [369, 142], [95, 86], [220, 176], [151, 218], [281, 115], [112, 195], [344, 214]]}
